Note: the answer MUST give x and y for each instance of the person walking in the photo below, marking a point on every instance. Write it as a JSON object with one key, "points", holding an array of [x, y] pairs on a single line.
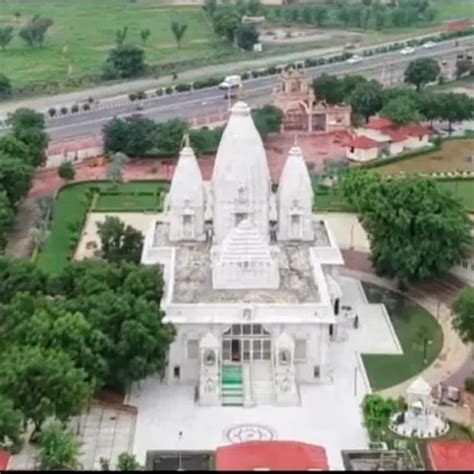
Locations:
{"points": [[356, 322]]}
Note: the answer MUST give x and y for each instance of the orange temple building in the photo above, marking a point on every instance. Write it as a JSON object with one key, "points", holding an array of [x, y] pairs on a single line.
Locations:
{"points": [[302, 111]]}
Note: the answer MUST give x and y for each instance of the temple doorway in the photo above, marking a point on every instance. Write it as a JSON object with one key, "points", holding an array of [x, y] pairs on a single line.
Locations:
{"points": [[246, 342]]}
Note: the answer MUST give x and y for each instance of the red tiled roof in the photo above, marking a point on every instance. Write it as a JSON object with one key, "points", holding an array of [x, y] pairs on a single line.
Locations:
{"points": [[271, 455], [362, 142], [4, 459], [379, 123], [414, 130], [395, 135], [451, 455]]}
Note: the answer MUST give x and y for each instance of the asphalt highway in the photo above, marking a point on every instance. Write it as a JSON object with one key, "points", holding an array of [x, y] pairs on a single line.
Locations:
{"points": [[388, 67]]}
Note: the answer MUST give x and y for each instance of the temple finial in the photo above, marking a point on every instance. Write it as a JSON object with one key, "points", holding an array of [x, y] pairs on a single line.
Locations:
{"points": [[240, 92], [186, 140]]}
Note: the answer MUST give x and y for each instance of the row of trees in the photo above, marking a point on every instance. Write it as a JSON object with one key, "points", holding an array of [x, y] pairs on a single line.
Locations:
{"points": [[33, 33], [65, 336], [21, 151], [137, 135], [402, 105], [367, 14]]}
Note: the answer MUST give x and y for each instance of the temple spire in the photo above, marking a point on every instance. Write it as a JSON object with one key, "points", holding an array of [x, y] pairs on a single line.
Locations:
{"points": [[186, 142]]}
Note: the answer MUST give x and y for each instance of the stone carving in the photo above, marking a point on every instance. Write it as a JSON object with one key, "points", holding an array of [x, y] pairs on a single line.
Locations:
{"points": [[244, 433]]}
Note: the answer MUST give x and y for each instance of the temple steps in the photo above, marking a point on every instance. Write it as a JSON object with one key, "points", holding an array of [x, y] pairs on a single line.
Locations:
{"points": [[231, 385], [262, 382]]}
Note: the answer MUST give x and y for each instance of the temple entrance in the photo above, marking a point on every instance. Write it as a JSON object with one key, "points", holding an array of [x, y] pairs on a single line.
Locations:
{"points": [[246, 342]]}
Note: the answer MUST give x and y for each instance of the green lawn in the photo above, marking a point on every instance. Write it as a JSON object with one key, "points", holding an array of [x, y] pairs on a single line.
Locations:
{"points": [[72, 205], [463, 189], [411, 323], [453, 9], [84, 31]]}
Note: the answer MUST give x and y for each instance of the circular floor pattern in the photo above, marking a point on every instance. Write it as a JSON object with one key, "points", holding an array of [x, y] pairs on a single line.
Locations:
{"points": [[244, 433]]}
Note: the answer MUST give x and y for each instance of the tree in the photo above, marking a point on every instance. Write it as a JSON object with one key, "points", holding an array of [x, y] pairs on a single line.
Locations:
{"points": [[43, 383], [120, 36], [210, 7], [123, 302], [344, 15], [7, 216], [120, 242], [329, 88], [144, 35], [367, 99], [178, 30], [463, 66], [10, 425], [350, 83], [19, 275], [267, 120], [320, 14], [226, 22], [401, 111], [14, 148], [254, 7], [380, 17], [47, 323], [114, 168], [247, 36], [15, 178], [366, 14], [416, 230], [133, 135], [6, 35], [429, 105], [377, 412], [128, 462], [58, 449], [463, 319], [170, 135], [5, 86], [422, 71], [124, 62], [357, 184], [66, 171], [34, 32], [455, 108]]}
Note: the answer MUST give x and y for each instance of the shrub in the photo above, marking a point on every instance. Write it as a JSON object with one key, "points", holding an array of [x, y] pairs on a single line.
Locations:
{"points": [[182, 87], [159, 92], [90, 100], [86, 107], [469, 384], [169, 90], [75, 109], [52, 112], [245, 76], [64, 110], [141, 95], [132, 96]]}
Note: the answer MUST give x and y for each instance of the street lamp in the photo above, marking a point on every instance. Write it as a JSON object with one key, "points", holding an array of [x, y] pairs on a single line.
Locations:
{"points": [[426, 341], [355, 381]]}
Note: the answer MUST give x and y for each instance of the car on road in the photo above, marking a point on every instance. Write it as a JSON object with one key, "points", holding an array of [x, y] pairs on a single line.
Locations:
{"points": [[429, 44], [230, 85], [354, 59], [407, 50]]}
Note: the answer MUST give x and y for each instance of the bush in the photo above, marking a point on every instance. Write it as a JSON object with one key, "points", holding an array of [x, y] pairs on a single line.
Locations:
{"points": [[132, 96], [169, 90], [75, 109], [86, 107], [58, 448], [90, 100], [52, 112], [245, 76], [141, 95], [182, 87], [159, 92], [64, 110], [469, 384]]}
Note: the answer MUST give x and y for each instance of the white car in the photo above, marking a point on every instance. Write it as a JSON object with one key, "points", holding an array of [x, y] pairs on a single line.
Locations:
{"points": [[407, 50], [429, 44], [354, 59], [230, 82]]}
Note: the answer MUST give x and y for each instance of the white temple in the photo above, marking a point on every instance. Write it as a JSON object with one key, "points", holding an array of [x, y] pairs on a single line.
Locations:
{"points": [[251, 275]]}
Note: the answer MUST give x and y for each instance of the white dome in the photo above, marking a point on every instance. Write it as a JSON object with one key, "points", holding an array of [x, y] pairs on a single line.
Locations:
{"points": [[187, 183], [295, 182], [241, 158]]}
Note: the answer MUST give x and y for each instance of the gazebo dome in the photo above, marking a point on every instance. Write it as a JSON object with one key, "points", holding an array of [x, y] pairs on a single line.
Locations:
{"points": [[187, 183], [419, 387]]}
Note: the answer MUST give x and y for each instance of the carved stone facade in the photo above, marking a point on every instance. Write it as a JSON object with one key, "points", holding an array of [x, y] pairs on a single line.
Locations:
{"points": [[302, 111]]}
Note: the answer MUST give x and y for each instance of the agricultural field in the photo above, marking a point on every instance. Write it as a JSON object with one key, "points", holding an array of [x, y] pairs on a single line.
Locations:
{"points": [[453, 9], [84, 31]]}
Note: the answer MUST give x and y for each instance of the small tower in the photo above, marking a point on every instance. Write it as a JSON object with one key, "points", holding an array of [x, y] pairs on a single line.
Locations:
{"points": [[295, 200], [186, 198]]}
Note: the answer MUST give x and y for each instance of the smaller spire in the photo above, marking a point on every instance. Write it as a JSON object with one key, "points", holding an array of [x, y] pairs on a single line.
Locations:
{"points": [[295, 139], [240, 92], [186, 141]]}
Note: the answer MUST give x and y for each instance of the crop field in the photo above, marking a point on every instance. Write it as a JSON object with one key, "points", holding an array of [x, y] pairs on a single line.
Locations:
{"points": [[84, 31]]}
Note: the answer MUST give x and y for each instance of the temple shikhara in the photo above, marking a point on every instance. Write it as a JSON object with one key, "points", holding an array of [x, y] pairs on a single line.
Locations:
{"points": [[302, 112], [251, 274]]}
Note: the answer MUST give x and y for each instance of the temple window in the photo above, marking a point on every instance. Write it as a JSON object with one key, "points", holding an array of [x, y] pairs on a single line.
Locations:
{"points": [[300, 350], [188, 232], [295, 226]]}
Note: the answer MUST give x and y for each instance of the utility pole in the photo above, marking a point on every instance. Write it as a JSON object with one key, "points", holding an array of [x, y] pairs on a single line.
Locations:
{"points": [[180, 460]]}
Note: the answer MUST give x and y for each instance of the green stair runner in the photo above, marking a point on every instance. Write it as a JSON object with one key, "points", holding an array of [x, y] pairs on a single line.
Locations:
{"points": [[231, 385]]}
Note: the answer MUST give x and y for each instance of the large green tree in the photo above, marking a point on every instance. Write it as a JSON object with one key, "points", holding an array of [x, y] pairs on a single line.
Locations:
{"points": [[377, 412], [422, 71], [463, 319], [416, 230], [43, 383], [120, 242], [170, 135], [455, 108], [267, 119], [133, 135], [6, 35], [247, 36], [359, 184], [367, 99], [226, 21], [10, 425], [124, 62], [5, 87], [329, 88], [11, 146], [401, 111], [15, 178], [7, 216]]}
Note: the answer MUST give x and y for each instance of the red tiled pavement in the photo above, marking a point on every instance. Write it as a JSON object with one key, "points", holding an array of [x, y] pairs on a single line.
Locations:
{"points": [[4, 459]]}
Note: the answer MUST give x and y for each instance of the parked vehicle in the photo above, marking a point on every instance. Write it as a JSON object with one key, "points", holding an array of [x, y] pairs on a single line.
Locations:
{"points": [[354, 59], [429, 44], [408, 50], [231, 82]]}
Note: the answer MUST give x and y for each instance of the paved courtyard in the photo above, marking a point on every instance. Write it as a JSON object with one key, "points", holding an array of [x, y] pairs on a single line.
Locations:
{"points": [[329, 414]]}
